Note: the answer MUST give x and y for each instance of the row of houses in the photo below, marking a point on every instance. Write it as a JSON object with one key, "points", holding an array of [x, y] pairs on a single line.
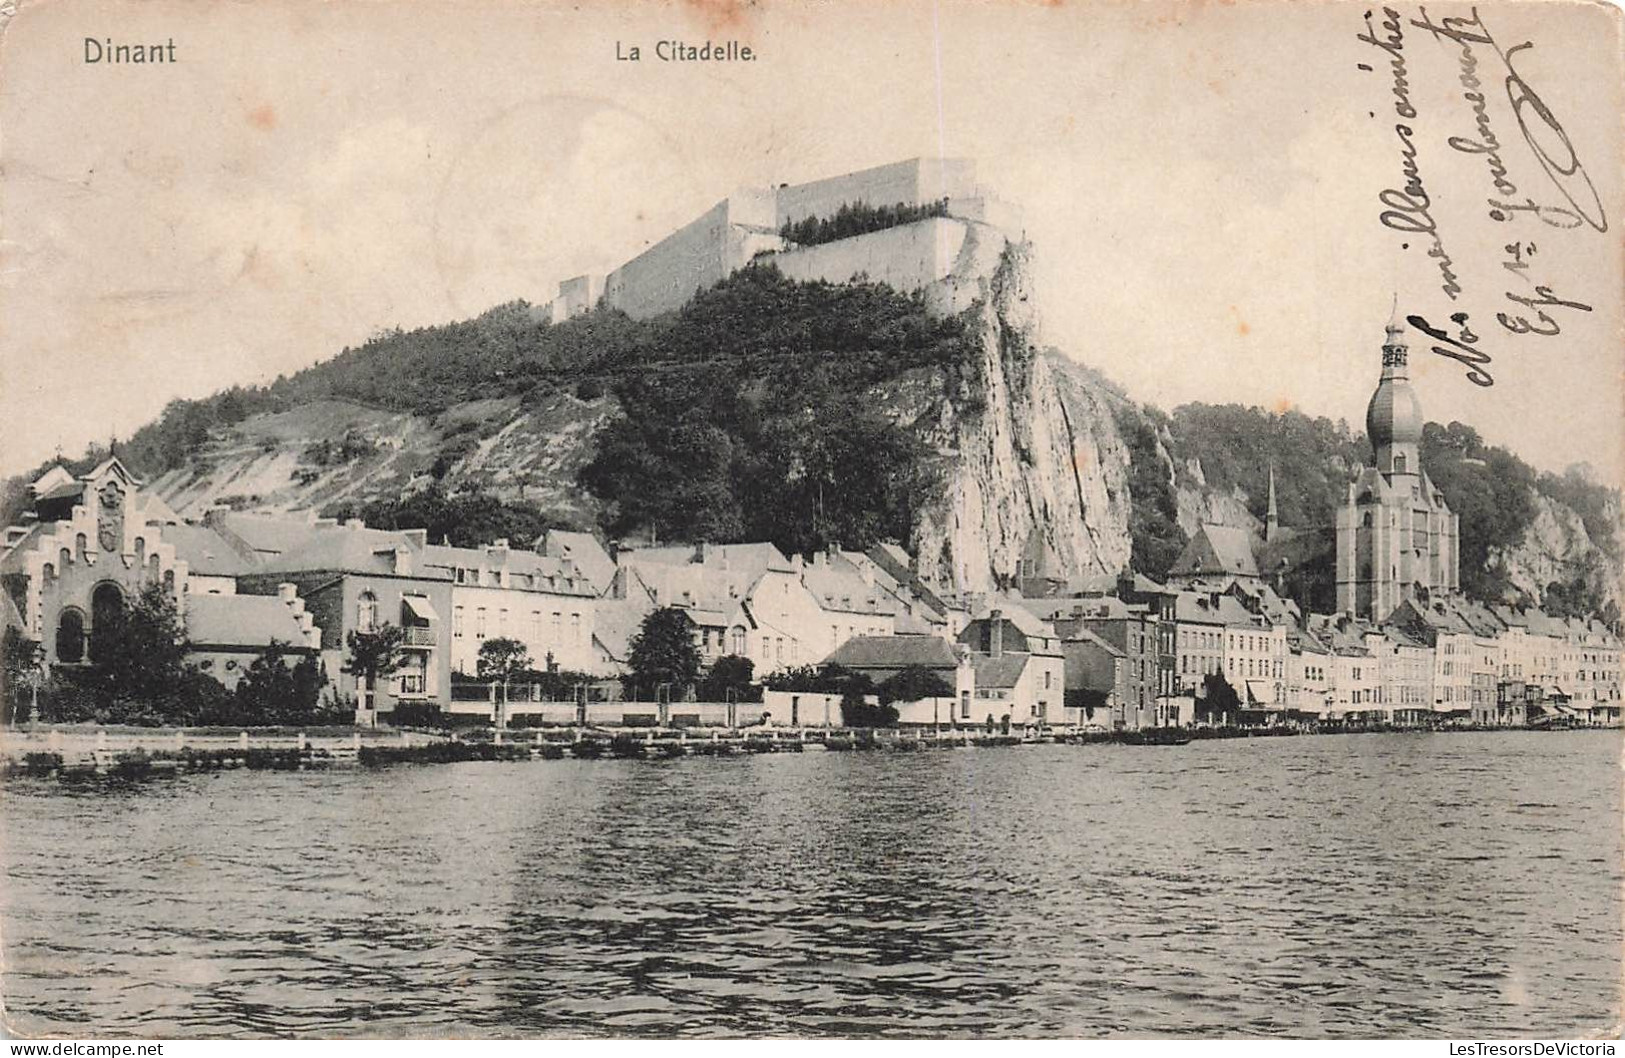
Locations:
{"points": [[1112, 652]]}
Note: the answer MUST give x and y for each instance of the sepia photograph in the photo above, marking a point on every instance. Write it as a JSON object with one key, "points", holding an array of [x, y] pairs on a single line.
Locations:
{"points": [[811, 520]]}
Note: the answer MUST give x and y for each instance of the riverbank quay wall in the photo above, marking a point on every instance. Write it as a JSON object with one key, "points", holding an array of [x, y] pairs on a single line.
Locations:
{"points": [[86, 744]]}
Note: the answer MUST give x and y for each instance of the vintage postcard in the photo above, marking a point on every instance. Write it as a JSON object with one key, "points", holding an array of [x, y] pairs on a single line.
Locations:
{"points": [[811, 519]]}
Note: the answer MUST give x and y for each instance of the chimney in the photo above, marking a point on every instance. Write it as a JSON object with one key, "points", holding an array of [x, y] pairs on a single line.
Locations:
{"points": [[499, 544], [995, 633], [403, 561], [288, 593], [354, 523], [417, 538]]}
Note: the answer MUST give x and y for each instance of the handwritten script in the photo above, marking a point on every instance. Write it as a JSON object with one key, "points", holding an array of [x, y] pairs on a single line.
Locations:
{"points": [[1561, 199]]}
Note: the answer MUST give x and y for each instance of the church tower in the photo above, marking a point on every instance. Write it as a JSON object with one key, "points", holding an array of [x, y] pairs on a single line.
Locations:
{"points": [[1397, 539]]}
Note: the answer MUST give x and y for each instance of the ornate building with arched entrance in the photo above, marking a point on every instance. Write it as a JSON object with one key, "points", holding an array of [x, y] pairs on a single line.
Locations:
{"points": [[96, 544]]}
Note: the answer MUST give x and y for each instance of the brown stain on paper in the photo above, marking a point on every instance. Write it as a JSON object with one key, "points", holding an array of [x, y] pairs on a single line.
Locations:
{"points": [[262, 117]]}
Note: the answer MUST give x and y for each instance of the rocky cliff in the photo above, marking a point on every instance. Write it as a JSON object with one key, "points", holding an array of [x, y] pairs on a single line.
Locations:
{"points": [[1035, 463]]}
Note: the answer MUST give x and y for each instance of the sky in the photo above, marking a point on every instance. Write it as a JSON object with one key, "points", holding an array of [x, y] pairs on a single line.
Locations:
{"points": [[1200, 182]]}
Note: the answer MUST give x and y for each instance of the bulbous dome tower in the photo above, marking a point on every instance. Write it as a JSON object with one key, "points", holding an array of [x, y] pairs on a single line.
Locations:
{"points": [[1393, 419]]}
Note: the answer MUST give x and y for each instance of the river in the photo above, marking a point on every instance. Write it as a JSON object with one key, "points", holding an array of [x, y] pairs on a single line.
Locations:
{"points": [[1392, 885]]}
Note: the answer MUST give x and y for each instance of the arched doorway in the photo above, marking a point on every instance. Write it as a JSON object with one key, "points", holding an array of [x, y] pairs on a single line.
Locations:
{"points": [[70, 637], [106, 612]]}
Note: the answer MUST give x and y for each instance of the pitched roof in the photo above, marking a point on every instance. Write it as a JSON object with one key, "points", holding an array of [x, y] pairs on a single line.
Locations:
{"points": [[615, 622], [345, 550], [1017, 614], [1002, 671], [1197, 607], [1217, 549], [838, 585], [526, 570], [1083, 635], [583, 549], [206, 552], [241, 620], [894, 652]]}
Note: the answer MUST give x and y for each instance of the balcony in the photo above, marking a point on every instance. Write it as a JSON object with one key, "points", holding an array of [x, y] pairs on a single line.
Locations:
{"points": [[420, 637]]}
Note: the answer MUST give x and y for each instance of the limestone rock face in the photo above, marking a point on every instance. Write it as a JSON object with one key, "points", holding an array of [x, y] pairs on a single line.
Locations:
{"points": [[1556, 547], [1030, 449]]}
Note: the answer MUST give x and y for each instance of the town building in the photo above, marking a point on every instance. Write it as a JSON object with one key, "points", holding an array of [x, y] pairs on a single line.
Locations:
{"points": [[1309, 675], [1199, 639], [1134, 629], [1097, 681], [355, 579], [881, 658], [1405, 674], [1020, 670], [1397, 538], [1254, 657]]}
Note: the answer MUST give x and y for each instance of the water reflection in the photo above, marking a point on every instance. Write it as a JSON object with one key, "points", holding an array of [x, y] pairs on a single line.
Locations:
{"points": [[1446, 885]]}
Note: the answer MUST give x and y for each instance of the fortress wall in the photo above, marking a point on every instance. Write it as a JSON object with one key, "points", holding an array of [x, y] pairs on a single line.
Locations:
{"points": [[906, 257], [914, 182], [755, 207], [668, 273], [576, 296], [721, 241]]}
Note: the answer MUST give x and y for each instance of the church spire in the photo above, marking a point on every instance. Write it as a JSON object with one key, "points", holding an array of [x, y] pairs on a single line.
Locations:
{"points": [[1272, 520]]}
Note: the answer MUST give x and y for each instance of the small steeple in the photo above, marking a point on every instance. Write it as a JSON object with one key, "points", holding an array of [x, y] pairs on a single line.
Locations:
{"points": [[1272, 520], [1394, 350]]}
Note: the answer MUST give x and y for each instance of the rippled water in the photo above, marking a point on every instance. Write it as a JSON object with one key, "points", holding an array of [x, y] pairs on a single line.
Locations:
{"points": [[1455, 885]]}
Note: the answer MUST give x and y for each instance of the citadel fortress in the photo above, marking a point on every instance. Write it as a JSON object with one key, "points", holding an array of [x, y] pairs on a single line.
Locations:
{"points": [[747, 225]]}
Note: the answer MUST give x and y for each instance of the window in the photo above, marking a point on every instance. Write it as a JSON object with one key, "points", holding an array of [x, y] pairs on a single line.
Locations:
{"points": [[70, 637], [502, 621], [479, 623], [457, 622], [557, 627], [738, 638], [575, 628], [366, 612]]}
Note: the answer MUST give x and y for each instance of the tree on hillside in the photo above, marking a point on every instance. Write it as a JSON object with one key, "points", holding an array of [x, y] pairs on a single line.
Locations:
{"points": [[468, 517], [1155, 538], [373, 655], [663, 653], [500, 660], [1491, 491]]}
